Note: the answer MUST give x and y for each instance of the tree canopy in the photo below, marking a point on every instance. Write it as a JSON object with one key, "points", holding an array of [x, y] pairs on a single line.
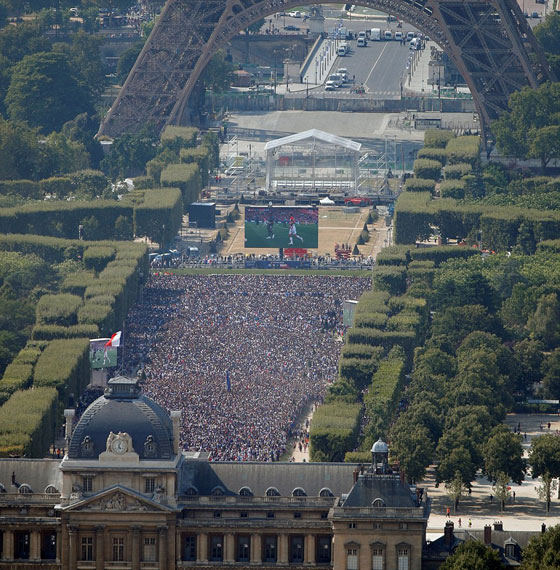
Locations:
{"points": [[473, 555], [543, 551]]}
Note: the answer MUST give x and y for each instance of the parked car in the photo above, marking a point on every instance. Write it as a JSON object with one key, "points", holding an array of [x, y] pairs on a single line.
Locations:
{"points": [[330, 86], [290, 28]]}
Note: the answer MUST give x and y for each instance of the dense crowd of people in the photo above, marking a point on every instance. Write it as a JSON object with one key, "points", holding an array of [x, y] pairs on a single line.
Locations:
{"points": [[240, 355]]}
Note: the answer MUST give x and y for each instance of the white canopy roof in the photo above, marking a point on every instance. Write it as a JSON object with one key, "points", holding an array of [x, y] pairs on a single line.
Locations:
{"points": [[314, 134], [326, 201]]}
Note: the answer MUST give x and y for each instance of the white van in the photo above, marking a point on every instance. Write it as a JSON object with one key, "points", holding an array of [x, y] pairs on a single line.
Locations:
{"points": [[410, 36], [362, 42], [342, 49], [344, 73], [388, 35], [361, 34], [375, 34], [330, 86], [398, 36], [336, 78], [415, 43]]}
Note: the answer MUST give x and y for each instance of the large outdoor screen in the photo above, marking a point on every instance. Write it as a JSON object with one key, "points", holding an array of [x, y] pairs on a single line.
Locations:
{"points": [[281, 226]]}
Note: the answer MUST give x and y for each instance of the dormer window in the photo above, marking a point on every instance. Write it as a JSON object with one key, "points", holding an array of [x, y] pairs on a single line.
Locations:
{"points": [[25, 489], [51, 490], [191, 492], [511, 551], [272, 492], [150, 447], [245, 492], [377, 503], [87, 447], [325, 492], [299, 492], [218, 492]]}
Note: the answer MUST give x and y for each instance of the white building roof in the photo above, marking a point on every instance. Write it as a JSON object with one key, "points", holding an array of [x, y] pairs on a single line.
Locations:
{"points": [[314, 134]]}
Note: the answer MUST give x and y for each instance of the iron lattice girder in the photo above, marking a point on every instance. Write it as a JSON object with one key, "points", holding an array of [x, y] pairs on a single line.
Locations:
{"points": [[488, 40]]}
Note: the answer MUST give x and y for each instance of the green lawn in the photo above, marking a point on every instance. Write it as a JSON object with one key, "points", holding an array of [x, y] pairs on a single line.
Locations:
{"points": [[256, 236]]}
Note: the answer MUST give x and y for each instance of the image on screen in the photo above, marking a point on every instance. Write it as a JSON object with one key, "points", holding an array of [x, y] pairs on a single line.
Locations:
{"points": [[281, 226]]}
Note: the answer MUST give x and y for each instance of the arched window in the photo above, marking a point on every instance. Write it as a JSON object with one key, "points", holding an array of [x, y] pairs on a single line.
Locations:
{"points": [[24, 489], [378, 503], [245, 492], [218, 491], [325, 492], [272, 492], [299, 492], [191, 492], [51, 490]]}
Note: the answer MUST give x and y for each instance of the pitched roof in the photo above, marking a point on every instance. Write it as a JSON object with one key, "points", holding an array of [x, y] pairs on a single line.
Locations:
{"points": [[314, 134], [37, 473]]}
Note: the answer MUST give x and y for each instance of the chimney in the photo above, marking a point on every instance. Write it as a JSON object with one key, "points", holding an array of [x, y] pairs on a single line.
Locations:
{"points": [[69, 414], [498, 525], [487, 535], [448, 533], [176, 419], [356, 474]]}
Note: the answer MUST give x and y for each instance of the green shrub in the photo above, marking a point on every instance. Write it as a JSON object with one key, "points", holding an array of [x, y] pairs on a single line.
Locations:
{"points": [[159, 216], [187, 178], [143, 182], [100, 315], [96, 257], [437, 138], [420, 185], [334, 431], [28, 422], [357, 457], [463, 150], [428, 169], [64, 365], [89, 183], [390, 278], [200, 156], [59, 186], [58, 309], [51, 332], [364, 351], [394, 255], [77, 283], [457, 171], [452, 189], [176, 138], [357, 370], [16, 377], [27, 189], [370, 320], [439, 154]]}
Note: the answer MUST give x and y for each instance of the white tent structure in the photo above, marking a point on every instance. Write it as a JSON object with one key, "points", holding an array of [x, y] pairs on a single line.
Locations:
{"points": [[312, 161], [326, 201]]}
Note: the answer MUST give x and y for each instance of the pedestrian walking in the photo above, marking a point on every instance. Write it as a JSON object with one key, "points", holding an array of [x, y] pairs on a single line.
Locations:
{"points": [[448, 512], [491, 497], [514, 496], [470, 523], [459, 522]]}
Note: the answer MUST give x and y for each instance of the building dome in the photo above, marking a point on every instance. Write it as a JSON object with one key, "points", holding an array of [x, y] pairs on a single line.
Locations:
{"points": [[380, 447], [123, 409]]}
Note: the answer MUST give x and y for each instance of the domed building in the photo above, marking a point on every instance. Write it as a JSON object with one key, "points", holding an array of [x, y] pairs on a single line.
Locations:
{"points": [[126, 497]]}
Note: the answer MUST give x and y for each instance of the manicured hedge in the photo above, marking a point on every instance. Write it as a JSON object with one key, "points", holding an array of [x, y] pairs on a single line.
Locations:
{"points": [[160, 214], [464, 149], [59, 186], [27, 423], [187, 178], [357, 370], [384, 395], [394, 255], [200, 156], [17, 376], [372, 301], [370, 320], [385, 339], [24, 188], [442, 253], [51, 332], [96, 257], [64, 365], [103, 316], [420, 185], [437, 138], [58, 309], [439, 154], [457, 171], [364, 351], [428, 169], [390, 278], [334, 430], [177, 138], [77, 283], [452, 189]]}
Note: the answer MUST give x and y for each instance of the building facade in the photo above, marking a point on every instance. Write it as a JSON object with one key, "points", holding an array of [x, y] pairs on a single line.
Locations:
{"points": [[126, 497]]}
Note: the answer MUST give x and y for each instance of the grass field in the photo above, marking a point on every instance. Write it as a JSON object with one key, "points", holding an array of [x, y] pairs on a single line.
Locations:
{"points": [[256, 236]]}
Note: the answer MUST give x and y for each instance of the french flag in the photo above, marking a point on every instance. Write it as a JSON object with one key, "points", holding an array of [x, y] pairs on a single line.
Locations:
{"points": [[115, 340]]}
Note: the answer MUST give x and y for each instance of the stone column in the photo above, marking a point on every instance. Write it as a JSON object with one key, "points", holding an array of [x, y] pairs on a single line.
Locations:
{"points": [[73, 547], [310, 549], [8, 545], [283, 549], [58, 545], [171, 548], [256, 549], [35, 545], [202, 547], [99, 547], [136, 546], [229, 550], [178, 548], [162, 545]]}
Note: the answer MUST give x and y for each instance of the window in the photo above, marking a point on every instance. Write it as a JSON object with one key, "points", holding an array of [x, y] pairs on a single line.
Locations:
{"points": [[402, 558], [272, 492], [149, 553], [351, 525], [510, 551], [192, 492], [218, 492], [377, 559], [377, 525], [243, 514], [270, 515], [189, 548], [21, 545], [378, 503], [270, 549], [149, 484], [217, 514], [87, 484], [24, 489], [325, 492], [87, 548], [299, 492], [245, 492], [323, 555], [118, 549], [51, 490], [325, 515], [403, 525], [296, 549], [297, 515], [216, 548], [243, 548], [351, 559]]}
